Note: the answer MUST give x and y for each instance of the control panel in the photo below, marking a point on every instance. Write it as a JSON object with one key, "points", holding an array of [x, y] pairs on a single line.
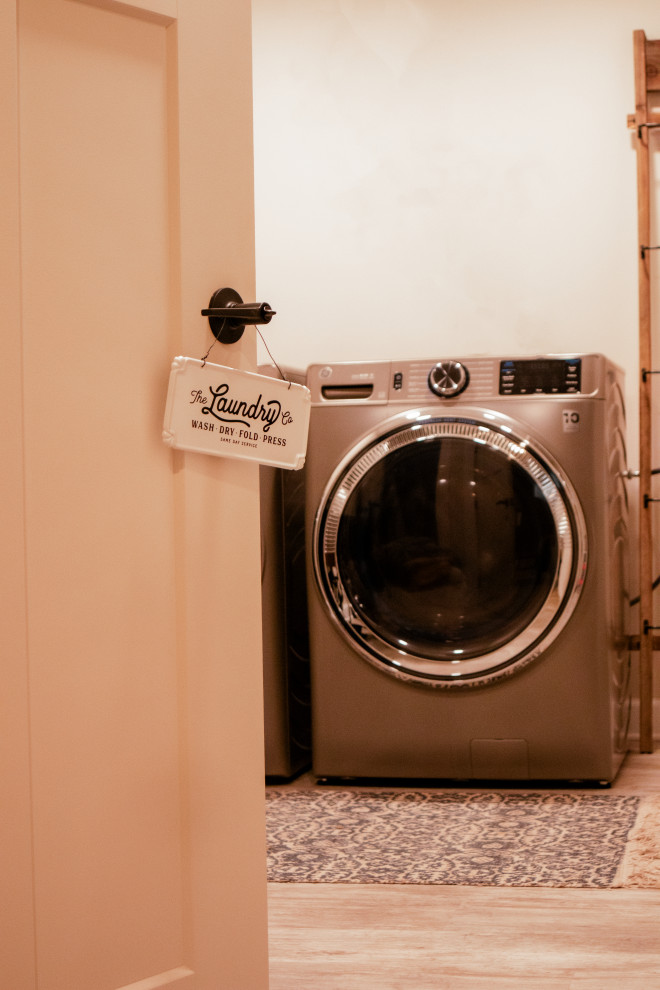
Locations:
{"points": [[541, 376]]}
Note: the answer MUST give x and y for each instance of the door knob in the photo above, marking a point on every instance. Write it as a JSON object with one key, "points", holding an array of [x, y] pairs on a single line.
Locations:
{"points": [[228, 315]]}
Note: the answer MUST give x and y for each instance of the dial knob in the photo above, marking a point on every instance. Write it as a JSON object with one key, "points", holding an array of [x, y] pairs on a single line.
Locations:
{"points": [[448, 378]]}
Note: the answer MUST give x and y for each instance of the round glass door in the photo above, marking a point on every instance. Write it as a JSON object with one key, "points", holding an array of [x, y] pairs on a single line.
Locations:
{"points": [[449, 551]]}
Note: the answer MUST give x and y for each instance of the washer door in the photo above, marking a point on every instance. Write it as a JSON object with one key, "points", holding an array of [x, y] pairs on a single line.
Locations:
{"points": [[449, 550]]}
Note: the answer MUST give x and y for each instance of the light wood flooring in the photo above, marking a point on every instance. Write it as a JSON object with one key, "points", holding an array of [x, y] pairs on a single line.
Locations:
{"points": [[383, 937]]}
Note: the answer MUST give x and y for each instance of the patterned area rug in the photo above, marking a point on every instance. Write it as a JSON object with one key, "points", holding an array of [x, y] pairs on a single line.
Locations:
{"points": [[447, 837]]}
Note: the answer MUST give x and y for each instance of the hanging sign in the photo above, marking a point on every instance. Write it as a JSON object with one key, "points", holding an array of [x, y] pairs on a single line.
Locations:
{"points": [[228, 413]]}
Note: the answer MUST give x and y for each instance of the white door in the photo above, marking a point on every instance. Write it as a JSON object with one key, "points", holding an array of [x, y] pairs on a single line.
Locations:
{"points": [[132, 824]]}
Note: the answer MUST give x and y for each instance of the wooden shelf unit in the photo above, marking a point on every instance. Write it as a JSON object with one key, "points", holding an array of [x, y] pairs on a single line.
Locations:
{"points": [[645, 122]]}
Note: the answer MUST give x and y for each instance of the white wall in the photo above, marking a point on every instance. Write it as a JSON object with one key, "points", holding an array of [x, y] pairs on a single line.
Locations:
{"points": [[435, 177], [438, 178]]}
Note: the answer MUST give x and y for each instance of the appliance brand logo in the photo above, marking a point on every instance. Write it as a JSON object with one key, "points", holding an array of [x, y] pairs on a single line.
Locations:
{"points": [[571, 421]]}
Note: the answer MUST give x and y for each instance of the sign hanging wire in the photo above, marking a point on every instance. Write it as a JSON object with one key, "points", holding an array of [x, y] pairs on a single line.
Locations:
{"points": [[282, 375], [215, 340]]}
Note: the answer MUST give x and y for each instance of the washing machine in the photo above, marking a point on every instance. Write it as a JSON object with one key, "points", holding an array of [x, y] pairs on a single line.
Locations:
{"points": [[467, 568]]}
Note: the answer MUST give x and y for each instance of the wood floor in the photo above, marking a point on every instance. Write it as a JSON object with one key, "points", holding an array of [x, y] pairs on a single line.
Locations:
{"points": [[381, 937]]}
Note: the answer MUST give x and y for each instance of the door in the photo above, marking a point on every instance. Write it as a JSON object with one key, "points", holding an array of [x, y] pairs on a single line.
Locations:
{"points": [[449, 550], [132, 845]]}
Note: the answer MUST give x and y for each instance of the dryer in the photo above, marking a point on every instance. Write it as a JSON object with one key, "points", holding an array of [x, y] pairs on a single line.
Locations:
{"points": [[467, 552], [287, 728]]}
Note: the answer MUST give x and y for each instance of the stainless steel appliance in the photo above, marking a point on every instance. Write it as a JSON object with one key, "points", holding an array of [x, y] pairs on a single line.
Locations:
{"points": [[467, 550]]}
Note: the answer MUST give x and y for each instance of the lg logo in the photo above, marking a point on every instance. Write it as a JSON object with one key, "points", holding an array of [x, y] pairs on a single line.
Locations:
{"points": [[571, 420]]}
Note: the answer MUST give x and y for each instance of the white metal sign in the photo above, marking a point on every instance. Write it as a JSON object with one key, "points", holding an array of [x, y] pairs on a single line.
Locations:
{"points": [[228, 413]]}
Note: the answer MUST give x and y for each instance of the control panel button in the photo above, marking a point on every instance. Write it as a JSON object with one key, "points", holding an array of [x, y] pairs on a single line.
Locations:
{"points": [[448, 378]]}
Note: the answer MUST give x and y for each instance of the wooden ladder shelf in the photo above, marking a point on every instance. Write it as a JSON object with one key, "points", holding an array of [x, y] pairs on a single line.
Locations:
{"points": [[645, 122]]}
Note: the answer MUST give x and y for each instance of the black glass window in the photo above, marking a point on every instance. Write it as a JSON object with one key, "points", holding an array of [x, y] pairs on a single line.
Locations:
{"points": [[447, 548]]}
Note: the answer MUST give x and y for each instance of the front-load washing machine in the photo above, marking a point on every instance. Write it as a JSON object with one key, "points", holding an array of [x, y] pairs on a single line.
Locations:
{"points": [[467, 554]]}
